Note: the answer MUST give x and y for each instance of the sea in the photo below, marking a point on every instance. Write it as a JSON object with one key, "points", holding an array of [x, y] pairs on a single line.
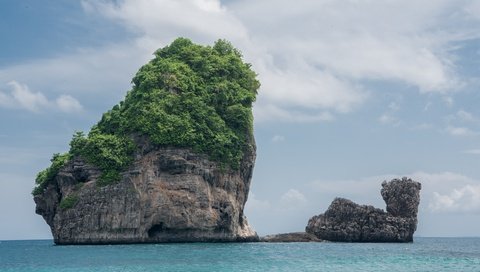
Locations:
{"points": [[424, 254]]}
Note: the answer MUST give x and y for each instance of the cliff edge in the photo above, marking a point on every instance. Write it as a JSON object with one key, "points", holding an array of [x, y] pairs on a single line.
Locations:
{"points": [[346, 221], [173, 162]]}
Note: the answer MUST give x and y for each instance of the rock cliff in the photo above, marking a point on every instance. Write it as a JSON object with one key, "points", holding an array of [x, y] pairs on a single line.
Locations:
{"points": [[346, 221], [168, 195], [171, 163]]}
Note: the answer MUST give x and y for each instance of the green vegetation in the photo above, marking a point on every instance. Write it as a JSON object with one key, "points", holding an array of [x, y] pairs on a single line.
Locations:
{"points": [[68, 202], [46, 176], [109, 152], [189, 95]]}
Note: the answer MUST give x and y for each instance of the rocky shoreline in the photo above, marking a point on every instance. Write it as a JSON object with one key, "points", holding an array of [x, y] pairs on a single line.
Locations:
{"points": [[290, 238]]}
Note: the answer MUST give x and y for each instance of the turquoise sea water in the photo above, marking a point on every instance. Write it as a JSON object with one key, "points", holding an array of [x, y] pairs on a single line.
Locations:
{"points": [[425, 254]]}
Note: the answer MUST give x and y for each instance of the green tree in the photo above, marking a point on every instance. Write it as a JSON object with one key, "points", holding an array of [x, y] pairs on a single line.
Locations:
{"points": [[188, 95]]}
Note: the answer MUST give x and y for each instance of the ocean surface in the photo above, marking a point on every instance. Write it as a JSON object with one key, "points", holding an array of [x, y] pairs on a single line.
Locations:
{"points": [[425, 254]]}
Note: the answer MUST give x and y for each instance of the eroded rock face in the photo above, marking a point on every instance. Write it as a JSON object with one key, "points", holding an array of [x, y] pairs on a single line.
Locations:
{"points": [[168, 195], [347, 221]]}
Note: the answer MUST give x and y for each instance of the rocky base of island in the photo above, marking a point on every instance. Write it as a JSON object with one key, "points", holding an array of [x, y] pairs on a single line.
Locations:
{"points": [[290, 238]]}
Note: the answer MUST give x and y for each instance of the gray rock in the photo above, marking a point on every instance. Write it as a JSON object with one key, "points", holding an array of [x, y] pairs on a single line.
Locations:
{"points": [[167, 195], [346, 221], [290, 237]]}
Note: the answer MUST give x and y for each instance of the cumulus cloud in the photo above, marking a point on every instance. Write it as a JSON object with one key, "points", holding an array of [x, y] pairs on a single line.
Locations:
{"points": [[270, 112], [310, 69], [388, 119], [465, 116], [464, 199], [403, 47], [67, 103], [85, 72], [460, 131], [164, 20], [293, 199], [451, 192], [460, 123], [23, 98]]}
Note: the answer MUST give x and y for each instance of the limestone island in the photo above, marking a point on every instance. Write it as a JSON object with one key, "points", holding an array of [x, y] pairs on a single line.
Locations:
{"points": [[346, 221], [171, 163]]}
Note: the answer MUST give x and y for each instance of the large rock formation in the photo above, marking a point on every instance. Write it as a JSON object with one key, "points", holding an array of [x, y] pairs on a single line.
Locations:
{"points": [[168, 195], [346, 221], [171, 163]]}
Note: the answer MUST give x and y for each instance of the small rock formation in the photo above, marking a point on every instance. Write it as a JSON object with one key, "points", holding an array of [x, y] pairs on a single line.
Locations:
{"points": [[346, 221], [290, 238], [168, 195]]}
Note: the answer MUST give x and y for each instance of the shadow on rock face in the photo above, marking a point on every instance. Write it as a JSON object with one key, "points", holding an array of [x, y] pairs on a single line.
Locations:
{"points": [[346, 221]]}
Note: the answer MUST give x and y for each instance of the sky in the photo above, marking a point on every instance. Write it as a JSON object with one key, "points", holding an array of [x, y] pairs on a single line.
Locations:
{"points": [[353, 93]]}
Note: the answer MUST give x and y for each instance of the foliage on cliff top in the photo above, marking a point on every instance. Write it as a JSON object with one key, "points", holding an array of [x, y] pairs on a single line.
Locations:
{"points": [[46, 176], [188, 95]]}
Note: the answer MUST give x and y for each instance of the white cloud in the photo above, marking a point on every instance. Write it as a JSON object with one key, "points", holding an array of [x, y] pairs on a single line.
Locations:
{"points": [[270, 112], [164, 20], [314, 66], [460, 131], [300, 85], [472, 151], [310, 68], [465, 116], [86, 71], [448, 100], [278, 138], [403, 47], [448, 192], [472, 9], [293, 199], [463, 199], [387, 119], [22, 97], [66, 103], [253, 204]]}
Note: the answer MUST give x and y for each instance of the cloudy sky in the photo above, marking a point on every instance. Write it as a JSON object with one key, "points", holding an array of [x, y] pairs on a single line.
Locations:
{"points": [[353, 92]]}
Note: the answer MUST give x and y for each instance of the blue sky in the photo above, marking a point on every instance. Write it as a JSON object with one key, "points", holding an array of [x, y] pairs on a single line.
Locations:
{"points": [[353, 92]]}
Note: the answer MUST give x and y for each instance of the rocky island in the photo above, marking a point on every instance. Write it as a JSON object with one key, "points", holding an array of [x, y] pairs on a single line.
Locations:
{"points": [[346, 221], [171, 163]]}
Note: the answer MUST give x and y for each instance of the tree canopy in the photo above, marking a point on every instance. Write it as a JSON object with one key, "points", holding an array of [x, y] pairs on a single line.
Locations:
{"points": [[188, 95]]}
